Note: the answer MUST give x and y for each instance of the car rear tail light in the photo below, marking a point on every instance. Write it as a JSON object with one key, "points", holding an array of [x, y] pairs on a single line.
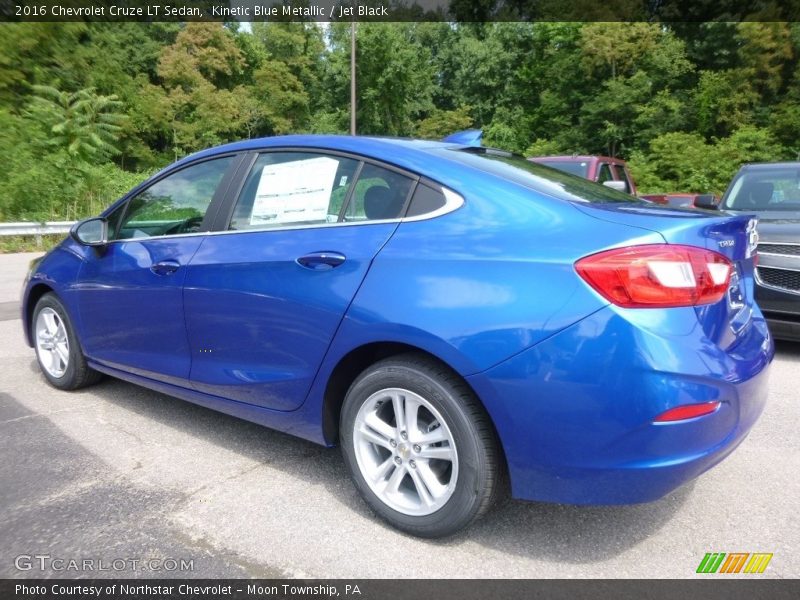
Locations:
{"points": [[688, 411], [657, 275]]}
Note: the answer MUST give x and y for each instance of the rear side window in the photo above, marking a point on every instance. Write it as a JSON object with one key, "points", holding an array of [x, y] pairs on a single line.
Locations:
{"points": [[290, 189], [379, 194], [425, 200], [286, 189]]}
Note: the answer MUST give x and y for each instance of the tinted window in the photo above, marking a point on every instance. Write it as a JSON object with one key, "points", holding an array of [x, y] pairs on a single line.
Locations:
{"points": [[115, 220], [379, 194], [287, 189], [535, 176], [580, 168], [604, 173], [766, 190], [622, 175], [175, 204], [425, 200]]}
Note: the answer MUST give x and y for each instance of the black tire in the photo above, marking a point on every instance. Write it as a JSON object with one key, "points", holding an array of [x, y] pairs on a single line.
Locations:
{"points": [[481, 479], [77, 374]]}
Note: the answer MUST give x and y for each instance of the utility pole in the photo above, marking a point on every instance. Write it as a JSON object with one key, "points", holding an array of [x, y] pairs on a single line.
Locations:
{"points": [[352, 77]]}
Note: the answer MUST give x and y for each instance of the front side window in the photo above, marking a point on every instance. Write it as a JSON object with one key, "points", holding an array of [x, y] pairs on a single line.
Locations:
{"points": [[620, 174], [604, 173], [173, 205]]}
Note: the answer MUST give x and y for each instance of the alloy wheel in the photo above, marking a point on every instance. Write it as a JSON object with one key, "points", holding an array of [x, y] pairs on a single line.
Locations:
{"points": [[405, 451], [52, 343]]}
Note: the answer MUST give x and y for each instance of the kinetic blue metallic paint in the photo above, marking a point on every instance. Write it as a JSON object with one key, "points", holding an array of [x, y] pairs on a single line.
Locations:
{"points": [[266, 348], [577, 410], [131, 317], [58, 270], [571, 383], [479, 279]]}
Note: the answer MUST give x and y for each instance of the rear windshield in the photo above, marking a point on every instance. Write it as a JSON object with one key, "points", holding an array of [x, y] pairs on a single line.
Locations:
{"points": [[579, 168], [537, 177], [765, 190]]}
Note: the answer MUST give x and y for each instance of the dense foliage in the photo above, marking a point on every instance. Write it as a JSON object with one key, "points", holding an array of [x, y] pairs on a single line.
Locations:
{"points": [[88, 110]]}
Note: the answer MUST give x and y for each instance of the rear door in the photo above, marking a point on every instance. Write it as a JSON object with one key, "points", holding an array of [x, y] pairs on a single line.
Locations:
{"points": [[131, 300], [264, 298]]}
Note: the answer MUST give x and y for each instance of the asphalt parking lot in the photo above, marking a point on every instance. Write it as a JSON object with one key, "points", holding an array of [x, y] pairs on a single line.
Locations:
{"points": [[116, 472]]}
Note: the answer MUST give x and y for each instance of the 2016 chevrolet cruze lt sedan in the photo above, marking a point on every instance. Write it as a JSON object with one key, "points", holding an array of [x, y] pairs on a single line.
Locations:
{"points": [[460, 320]]}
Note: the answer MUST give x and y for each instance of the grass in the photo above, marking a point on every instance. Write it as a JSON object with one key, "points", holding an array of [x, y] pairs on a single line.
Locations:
{"points": [[28, 243]]}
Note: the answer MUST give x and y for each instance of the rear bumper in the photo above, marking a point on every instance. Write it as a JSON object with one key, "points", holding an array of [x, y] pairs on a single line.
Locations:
{"points": [[575, 413], [782, 311], [783, 327]]}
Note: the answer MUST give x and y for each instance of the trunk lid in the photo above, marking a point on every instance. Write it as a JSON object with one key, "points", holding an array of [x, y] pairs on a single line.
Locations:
{"points": [[733, 236]]}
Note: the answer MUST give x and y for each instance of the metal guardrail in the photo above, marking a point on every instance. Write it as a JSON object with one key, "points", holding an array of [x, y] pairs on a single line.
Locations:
{"points": [[37, 229]]}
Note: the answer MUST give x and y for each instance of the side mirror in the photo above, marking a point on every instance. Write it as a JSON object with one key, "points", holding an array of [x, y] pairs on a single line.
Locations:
{"points": [[620, 186], [707, 201], [90, 232]]}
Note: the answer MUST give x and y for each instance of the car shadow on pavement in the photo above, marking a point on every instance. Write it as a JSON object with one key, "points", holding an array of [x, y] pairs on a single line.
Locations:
{"points": [[57, 500], [574, 534], [789, 350]]}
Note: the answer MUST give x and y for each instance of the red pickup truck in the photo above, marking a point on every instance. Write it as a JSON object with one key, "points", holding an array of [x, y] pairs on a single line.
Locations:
{"points": [[612, 172]]}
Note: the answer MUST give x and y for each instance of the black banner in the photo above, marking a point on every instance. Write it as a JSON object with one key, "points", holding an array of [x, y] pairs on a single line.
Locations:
{"points": [[399, 10], [713, 588]]}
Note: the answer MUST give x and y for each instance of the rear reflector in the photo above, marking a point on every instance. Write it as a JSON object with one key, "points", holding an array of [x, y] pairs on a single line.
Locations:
{"points": [[688, 411], [657, 275]]}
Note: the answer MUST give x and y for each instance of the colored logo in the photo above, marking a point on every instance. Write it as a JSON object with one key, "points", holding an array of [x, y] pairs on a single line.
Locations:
{"points": [[734, 562]]}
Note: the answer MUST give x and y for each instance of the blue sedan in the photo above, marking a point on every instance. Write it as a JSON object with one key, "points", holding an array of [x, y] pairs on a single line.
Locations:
{"points": [[462, 322]]}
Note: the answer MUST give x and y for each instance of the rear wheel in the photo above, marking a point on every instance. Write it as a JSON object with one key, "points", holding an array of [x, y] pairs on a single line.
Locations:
{"points": [[419, 446], [57, 349]]}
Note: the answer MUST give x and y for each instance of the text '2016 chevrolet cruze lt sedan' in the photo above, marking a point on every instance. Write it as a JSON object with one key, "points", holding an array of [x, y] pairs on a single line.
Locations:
{"points": [[461, 321]]}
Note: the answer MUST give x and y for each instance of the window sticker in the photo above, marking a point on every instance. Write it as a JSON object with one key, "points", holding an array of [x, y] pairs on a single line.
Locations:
{"points": [[294, 192]]}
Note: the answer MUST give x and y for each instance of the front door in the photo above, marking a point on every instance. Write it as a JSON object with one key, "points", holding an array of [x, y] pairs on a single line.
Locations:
{"points": [[131, 300]]}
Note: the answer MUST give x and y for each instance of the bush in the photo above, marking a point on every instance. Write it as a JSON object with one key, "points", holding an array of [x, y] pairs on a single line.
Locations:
{"points": [[56, 187], [684, 162]]}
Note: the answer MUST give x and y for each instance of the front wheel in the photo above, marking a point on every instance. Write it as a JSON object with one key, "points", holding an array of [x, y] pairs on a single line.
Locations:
{"points": [[420, 447], [57, 349]]}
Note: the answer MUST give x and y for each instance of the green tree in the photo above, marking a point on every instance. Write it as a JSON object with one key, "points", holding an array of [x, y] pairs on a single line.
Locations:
{"points": [[685, 162], [440, 123], [394, 73], [199, 72], [83, 123], [281, 100], [725, 101]]}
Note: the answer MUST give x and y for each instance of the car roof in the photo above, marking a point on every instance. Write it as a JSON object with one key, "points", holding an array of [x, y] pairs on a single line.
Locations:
{"points": [[766, 166], [377, 147]]}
